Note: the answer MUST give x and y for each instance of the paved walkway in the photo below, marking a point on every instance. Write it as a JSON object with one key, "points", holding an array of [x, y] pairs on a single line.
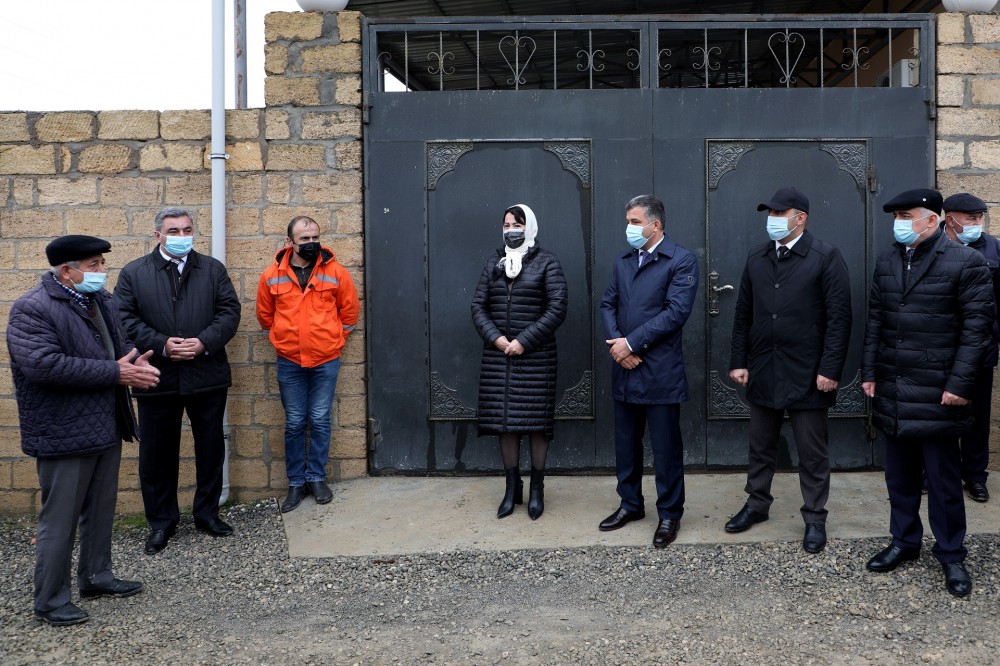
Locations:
{"points": [[400, 515]]}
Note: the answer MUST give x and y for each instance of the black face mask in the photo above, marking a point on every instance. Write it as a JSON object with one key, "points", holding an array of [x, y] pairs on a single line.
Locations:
{"points": [[513, 239], [308, 251]]}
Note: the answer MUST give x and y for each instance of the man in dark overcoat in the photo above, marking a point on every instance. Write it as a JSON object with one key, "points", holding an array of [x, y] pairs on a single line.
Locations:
{"points": [[964, 214], [72, 365], [644, 309], [790, 337], [182, 305], [929, 317]]}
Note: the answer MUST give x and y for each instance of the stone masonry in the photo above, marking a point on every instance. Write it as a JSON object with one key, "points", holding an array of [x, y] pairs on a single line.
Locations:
{"points": [[107, 173], [968, 125]]}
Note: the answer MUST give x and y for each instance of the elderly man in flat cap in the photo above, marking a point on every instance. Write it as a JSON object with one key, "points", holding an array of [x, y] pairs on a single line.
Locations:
{"points": [[963, 222], [72, 364], [930, 315], [789, 345]]}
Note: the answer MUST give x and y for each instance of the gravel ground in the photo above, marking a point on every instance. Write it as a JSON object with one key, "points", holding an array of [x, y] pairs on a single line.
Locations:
{"points": [[242, 600]]}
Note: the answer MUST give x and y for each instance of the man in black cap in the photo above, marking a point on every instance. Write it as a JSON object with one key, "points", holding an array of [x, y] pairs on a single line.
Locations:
{"points": [[795, 298], [929, 317], [182, 305], [71, 363], [963, 215]]}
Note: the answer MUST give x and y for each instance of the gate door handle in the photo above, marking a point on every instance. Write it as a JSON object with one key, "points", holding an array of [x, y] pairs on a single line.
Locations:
{"points": [[713, 293]]}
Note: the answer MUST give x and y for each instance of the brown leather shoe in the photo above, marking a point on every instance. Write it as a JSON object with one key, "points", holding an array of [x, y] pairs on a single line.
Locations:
{"points": [[620, 518], [666, 532]]}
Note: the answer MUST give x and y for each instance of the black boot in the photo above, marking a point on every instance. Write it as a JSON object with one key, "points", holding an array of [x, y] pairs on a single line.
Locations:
{"points": [[513, 495], [536, 496]]}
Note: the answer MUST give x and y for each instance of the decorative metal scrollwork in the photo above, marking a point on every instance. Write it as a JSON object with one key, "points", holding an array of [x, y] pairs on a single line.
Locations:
{"points": [[442, 158], [638, 59], [446, 405], [724, 401], [722, 158], [855, 61], [578, 400], [851, 157], [575, 157], [440, 68], [706, 62], [664, 53], [516, 68], [850, 400], [787, 66], [589, 63]]}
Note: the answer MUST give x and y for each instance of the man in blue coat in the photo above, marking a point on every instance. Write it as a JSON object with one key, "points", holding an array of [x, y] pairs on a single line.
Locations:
{"points": [[649, 298], [963, 215], [72, 364]]}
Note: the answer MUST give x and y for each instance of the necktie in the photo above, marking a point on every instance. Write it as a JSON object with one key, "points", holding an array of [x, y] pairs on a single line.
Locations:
{"points": [[642, 256], [178, 264], [782, 252], [909, 255]]}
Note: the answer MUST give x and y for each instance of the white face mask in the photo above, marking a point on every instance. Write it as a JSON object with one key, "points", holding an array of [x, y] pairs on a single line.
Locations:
{"points": [[777, 227]]}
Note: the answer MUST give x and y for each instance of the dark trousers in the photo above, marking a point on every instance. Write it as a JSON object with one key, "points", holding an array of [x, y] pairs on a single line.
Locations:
{"points": [[159, 454], [668, 456], [975, 442], [79, 490], [810, 429], [905, 460]]}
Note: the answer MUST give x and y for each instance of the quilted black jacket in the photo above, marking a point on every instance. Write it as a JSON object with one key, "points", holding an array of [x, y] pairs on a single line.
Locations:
{"points": [[517, 394], [928, 331], [68, 397]]}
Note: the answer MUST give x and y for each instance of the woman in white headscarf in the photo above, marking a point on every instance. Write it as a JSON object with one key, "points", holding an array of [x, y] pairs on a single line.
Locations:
{"points": [[520, 301]]}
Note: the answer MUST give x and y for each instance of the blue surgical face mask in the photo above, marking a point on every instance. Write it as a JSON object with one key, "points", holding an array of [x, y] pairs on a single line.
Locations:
{"points": [[633, 234], [970, 233], [903, 231], [777, 227], [178, 246], [92, 282]]}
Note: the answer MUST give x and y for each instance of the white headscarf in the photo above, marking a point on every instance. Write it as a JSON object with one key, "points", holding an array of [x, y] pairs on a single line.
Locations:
{"points": [[511, 261]]}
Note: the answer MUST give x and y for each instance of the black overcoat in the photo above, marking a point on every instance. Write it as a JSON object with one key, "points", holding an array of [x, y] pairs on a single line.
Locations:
{"points": [[927, 332], [517, 394], [792, 323]]}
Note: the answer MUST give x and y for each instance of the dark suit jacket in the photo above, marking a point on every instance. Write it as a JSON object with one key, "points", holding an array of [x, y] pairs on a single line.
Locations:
{"points": [[793, 322], [648, 306]]}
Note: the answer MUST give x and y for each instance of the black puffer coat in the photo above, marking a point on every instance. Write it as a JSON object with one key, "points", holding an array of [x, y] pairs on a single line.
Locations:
{"points": [[927, 332], [517, 394], [69, 400]]}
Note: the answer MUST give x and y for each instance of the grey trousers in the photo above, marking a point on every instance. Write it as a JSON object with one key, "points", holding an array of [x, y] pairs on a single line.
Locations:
{"points": [[76, 490], [809, 427]]}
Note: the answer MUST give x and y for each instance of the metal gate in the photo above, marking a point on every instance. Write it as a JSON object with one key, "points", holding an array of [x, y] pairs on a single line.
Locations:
{"points": [[574, 116]]}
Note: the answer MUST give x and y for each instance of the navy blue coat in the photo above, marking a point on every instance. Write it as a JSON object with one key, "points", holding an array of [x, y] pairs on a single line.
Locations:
{"points": [[989, 247], [69, 401], [648, 306]]}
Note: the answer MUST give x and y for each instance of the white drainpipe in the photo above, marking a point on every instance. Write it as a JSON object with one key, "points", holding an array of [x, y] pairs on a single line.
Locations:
{"points": [[218, 157]]}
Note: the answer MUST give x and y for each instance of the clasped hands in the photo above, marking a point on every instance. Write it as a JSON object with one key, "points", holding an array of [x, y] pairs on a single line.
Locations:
{"points": [[622, 354], [183, 349], [510, 348]]}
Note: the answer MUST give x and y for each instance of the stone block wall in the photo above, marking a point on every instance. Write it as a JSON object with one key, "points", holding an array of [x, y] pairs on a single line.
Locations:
{"points": [[968, 127], [107, 173]]}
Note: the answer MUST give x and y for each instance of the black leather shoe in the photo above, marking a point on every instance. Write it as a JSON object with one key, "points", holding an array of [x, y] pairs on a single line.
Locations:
{"points": [[320, 491], [666, 532], [620, 518], [815, 538], [214, 526], [957, 579], [294, 498], [977, 491], [744, 520], [157, 540], [116, 588], [891, 557], [64, 615]]}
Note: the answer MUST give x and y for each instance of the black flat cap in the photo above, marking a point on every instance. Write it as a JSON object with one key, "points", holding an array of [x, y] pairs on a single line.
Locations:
{"points": [[75, 247], [785, 198], [963, 202], [920, 198]]}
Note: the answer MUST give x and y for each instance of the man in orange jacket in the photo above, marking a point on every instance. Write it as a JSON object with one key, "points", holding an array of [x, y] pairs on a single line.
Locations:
{"points": [[307, 302]]}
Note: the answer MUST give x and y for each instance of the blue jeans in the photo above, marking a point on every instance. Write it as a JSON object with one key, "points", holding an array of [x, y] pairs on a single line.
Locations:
{"points": [[307, 396]]}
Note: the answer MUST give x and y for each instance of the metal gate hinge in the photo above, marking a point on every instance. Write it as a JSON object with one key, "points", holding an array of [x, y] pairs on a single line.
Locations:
{"points": [[872, 181], [365, 107], [373, 433]]}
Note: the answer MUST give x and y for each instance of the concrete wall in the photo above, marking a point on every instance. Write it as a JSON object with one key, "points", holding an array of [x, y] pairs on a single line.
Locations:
{"points": [[968, 125], [107, 173]]}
